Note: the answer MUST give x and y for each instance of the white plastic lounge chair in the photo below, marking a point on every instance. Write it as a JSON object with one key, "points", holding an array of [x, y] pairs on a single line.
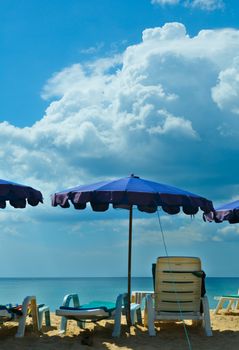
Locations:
{"points": [[96, 311], [178, 289], [232, 301], [19, 314]]}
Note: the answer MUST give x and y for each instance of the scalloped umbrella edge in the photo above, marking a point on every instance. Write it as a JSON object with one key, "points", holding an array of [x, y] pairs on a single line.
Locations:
{"points": [[226, 212], [18, 195]]}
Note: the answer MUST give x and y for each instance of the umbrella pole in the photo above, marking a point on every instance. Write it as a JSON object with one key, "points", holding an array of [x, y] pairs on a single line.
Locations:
{"points": [[129, 264]]}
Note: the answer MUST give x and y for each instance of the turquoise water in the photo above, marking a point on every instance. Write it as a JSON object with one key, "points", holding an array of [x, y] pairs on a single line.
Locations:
{"points": [[52, 290]]}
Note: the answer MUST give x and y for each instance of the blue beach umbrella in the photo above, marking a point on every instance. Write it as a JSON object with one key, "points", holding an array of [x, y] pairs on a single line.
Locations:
{"points": [[128, 192], [18, 195], [226, 212]]}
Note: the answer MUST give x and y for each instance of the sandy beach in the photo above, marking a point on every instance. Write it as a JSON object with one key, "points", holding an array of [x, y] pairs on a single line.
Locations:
{"points": [[170, 336]]}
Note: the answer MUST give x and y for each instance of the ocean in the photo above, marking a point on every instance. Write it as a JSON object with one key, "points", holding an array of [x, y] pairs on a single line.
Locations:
{"points": [[51, 291]]}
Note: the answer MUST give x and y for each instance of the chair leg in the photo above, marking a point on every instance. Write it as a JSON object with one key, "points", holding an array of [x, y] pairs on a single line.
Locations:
{"points": [[229, 306], [139, 316], [145, 316], [237, 303], [133, 316], [206, 317], [76, 303], [44, 311], [66, 302], [63, 325], [48, 318], [150, 315], [22, 320], [118, 314], [219, 305], [135, 313], [40, 318]]}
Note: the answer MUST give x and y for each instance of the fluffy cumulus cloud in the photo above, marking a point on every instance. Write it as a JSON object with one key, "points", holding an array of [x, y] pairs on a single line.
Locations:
{"points": [[226, 91], [161, 101], [165, 108], [207, 5]]}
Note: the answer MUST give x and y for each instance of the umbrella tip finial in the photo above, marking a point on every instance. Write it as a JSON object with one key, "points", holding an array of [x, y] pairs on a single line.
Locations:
{"points": [[132, 175]]}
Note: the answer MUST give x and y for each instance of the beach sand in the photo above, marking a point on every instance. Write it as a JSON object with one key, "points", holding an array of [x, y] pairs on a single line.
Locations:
{"points": [[170, 336]]}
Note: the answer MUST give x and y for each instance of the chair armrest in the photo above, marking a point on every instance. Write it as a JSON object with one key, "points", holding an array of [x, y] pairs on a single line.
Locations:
{"points": [[71, 297]]}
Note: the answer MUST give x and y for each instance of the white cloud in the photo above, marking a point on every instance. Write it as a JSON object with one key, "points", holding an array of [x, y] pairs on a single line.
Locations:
{"points": [[173, 125], [92, 49], [227, 233], [165, 2], [226, 92], [154, 106], [165, 108], [177, 230], [207, 5]]}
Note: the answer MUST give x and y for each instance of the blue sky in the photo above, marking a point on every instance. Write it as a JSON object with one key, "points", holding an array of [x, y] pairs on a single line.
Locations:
{"points": [[94, 90]]}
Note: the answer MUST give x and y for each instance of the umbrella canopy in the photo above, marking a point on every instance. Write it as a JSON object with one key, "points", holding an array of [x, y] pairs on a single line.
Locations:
{"points": [[128, 192], [18, 195], [227, 212], [123, 193]]}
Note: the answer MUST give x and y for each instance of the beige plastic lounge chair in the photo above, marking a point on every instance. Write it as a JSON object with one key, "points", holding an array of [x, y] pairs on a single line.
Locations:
{"points": [[178, 289], [232, 301], [19, 314]]}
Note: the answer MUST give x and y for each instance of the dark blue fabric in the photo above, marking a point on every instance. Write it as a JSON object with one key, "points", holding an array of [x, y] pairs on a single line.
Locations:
{"points": [[131, 184], [87, 308], [18, 195], [226, 212], [229, 206], [126, 192]]}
